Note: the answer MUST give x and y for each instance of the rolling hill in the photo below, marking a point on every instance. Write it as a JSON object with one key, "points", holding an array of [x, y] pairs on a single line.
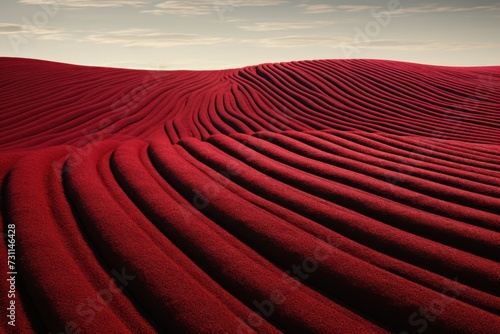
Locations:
{"points": [[327, 196]]}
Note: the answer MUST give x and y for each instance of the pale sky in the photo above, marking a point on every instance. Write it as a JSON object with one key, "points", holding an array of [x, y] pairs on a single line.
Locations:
{"points": [[216, 34]]}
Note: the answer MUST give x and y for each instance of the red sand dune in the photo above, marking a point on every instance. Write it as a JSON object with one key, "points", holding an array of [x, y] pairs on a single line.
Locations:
{"points": [[332, 196]]}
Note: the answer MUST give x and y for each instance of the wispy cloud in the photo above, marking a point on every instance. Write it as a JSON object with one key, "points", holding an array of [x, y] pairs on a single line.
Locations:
{"points": [[297, 41], [328, 8], [25, 32], [205, 7], [10, 28], [428, 8], [276, 26], [152, 38], [128, 37], [356, 8], [336, 41], [436, 8], [402, 45], [317, 9], [86, 3]]}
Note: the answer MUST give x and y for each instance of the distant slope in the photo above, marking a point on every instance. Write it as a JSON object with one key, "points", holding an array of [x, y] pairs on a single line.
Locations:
{"points": [[329, 196]]}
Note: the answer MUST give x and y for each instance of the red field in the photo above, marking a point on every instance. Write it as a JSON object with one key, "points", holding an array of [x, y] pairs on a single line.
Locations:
{"points": [[332, 196]]}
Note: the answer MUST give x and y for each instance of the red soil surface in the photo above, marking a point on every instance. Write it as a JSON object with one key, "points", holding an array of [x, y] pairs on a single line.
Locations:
{"points": [[331, 196]]}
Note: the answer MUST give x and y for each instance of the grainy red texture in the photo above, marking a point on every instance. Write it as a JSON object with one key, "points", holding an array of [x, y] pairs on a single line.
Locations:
{"points": [[332, 196]]}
